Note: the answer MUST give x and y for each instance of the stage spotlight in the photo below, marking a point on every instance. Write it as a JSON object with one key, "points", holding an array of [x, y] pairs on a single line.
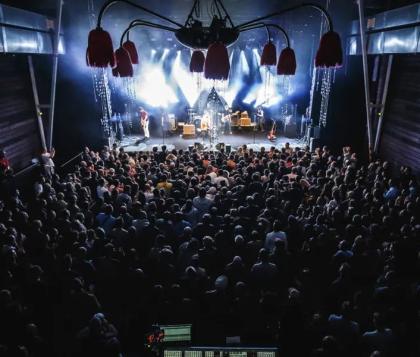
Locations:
{"points": [[251, 97], [152, 55], [273, 101], [185, 80], [236, 77], [153, 89], [244, 63], [164, 55]]}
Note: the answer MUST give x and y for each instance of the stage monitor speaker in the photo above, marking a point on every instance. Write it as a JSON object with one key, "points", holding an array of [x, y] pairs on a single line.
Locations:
{"points": [[290, 130], [314, 132], [314, 143], [198, 146]]}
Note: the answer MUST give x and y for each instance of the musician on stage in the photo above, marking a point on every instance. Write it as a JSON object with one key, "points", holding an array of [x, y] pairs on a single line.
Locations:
{"points": [[227, 121], [144, 122], [206, 124], [260, 119]]}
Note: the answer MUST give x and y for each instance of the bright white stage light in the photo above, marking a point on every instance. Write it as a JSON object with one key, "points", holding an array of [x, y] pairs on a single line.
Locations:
{"points": [[164, 55], [266, 92], [235, 81], [243, 63], [251, 96], [152, 55], [152, 88], [273, 101], [185, 80]]}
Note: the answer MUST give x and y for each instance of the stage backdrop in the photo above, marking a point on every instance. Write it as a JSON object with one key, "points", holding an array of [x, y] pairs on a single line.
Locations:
{"points": [[19, 134]]}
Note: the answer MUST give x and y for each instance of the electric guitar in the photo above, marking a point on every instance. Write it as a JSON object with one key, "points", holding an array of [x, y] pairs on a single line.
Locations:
{"points": [[271, 136]]}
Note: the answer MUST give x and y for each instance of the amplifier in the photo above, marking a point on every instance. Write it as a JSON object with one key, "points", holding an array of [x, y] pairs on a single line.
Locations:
{"points": [[245, 122], [188, 130], [290, 130]]}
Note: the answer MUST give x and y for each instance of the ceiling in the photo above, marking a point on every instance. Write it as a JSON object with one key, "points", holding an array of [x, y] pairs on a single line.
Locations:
{"points": [[240, 10]]}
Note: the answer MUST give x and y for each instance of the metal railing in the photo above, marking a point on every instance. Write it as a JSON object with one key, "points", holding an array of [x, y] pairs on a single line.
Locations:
{"points": [[71, 160]]}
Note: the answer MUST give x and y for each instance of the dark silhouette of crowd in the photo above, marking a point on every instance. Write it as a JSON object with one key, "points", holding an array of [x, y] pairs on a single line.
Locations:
{"points": [[313, 252]]}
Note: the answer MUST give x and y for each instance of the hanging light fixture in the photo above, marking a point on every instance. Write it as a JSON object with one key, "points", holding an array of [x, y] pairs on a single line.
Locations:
{"points": [[217, 65], [216, 38], [287, 63], [330, 52], [269, 54], [197, 62], [130, 47], [124, 67], [100, 52]]}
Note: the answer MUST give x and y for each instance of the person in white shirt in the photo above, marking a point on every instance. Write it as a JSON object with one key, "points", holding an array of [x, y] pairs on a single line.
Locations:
{"points": [[221, 176], [272, 237], [101, 189], [47, 162], [210, 172], [39, 186]]}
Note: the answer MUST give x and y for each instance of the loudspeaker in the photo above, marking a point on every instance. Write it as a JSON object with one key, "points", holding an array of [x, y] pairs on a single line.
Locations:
{"points": [[314, 132], [290, 130], [314, 143], [228, 149], [198, 146], [245, 122]]}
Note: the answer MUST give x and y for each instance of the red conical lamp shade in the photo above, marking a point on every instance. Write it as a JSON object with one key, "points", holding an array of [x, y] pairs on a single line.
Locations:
{"points": [[269, 55], [217, 65], [130, 47], [100, 52], [197, 62], [124, 68], [287, 63], [330, 52]]}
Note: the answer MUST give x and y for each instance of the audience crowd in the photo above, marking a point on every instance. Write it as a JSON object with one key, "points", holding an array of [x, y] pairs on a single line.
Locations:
{"points": [[312, 252]]}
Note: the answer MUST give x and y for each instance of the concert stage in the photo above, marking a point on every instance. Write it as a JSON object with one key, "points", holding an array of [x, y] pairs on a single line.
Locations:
{"points": [[254, 140]]}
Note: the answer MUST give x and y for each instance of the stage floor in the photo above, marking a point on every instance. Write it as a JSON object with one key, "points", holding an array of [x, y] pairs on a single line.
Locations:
{"points": [[255, 141]]}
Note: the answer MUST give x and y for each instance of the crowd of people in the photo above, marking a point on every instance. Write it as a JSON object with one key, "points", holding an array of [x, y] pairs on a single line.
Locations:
{"points": [[313, 252]]}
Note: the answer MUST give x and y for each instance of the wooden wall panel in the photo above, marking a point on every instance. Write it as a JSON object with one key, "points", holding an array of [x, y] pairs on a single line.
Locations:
{"points": [[400, 142], [19, 134]]}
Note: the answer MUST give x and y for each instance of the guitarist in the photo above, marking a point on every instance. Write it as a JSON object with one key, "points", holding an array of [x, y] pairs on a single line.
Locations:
{"points": [[144, 122], [260, 118]]}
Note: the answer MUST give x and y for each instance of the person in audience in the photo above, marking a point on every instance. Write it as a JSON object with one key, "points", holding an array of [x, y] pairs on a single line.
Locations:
{"points": [[4, 163], [273, 236], [47, 162], [284, 247]]}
